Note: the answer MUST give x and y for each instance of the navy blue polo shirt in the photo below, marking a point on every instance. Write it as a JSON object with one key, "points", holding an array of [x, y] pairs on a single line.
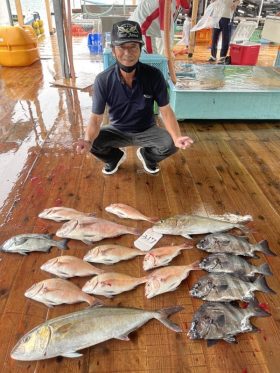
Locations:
{"points": [[130, 109]]}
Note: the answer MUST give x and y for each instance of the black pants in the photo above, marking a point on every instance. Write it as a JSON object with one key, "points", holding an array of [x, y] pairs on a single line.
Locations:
{"points": [[225, 29], [157, 142]]}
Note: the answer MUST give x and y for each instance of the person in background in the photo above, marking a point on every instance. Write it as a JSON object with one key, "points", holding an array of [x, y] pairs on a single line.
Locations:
{"points": [[186, 31], [229, 7], [129, 88], [150, 15]]}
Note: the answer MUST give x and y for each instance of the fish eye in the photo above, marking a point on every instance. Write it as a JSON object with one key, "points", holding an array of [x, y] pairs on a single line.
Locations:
{"points": [[26, 339]]}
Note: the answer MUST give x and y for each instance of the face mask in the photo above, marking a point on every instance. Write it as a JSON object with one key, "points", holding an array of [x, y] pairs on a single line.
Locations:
{"points": [[127, 69]]}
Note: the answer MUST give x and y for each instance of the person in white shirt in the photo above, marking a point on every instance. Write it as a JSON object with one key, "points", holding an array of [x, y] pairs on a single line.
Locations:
{"points": [[150, 15], [229, 7]]}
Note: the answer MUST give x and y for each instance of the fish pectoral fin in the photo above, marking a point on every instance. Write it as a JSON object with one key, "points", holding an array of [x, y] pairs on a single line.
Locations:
{"points": [[20, 241], [63, 274], [123, 337], [71, 354], [63, 329]]}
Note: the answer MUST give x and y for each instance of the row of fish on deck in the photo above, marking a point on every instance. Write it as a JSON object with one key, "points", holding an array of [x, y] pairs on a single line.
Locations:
{"points": [[230, 278]]}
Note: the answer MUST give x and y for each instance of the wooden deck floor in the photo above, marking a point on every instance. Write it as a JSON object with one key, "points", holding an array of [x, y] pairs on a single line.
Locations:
{"points": [[232, 167]]}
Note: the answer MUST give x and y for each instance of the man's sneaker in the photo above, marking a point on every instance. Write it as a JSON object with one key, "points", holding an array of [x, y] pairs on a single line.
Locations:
{"points": [[112, 167], [222, 61], [152, 168], [212, 59]]}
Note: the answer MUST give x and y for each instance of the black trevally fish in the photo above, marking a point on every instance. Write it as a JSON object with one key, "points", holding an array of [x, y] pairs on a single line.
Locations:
{"points": [[223, 287], [216, 321], [229, 263], [227, 243]]}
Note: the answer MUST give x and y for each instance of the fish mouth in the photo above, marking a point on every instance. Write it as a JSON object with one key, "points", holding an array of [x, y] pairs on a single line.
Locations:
{"points": [[202, 245], [18, 352], [89, 287], [193, 332], [149, 262], [34, 290], [193, 292]]}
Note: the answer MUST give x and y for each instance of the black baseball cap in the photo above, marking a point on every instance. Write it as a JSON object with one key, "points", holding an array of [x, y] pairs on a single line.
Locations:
{"points": [[126, 32]]}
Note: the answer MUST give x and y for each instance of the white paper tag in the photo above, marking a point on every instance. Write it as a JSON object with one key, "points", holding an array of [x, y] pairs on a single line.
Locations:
{"points": [[148, 240]]}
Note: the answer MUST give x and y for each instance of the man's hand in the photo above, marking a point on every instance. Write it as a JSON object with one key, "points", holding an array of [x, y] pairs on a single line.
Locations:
{"points": [[82, 146], [183, 142]]}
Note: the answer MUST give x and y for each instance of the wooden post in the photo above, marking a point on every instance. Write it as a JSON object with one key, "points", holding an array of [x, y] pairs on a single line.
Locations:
{"points": [[167, 46], [49, 16], [19, 12], [57, 7], [193, 22], [9, 12]]}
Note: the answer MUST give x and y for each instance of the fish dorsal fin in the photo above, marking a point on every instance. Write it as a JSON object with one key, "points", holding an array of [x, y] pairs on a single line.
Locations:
{"points": [[187, 236], [71, 354], [63, 329], [123, 337]]}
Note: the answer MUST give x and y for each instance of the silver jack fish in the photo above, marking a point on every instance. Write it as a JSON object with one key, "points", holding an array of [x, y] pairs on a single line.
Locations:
{"points": [[64, 335], [62, 213], [228, 263], [227, 243], [221, 287], [187, 225], [25, 243], [216, 321], [93, 229]]}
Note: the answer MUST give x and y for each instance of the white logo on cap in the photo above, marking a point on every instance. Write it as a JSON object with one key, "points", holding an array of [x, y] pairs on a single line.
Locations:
{"points": [[128, 31]]}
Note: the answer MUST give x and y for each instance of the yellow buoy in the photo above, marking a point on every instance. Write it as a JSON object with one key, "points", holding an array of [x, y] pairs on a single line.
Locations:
{"points": [[18, 46]]}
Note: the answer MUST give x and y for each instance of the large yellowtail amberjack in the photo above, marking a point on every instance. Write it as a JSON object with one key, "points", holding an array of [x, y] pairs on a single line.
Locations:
{"points": [[65, 335]]}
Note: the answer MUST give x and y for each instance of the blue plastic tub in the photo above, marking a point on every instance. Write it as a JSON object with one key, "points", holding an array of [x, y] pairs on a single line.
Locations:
{"points": [[95, 43]]}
